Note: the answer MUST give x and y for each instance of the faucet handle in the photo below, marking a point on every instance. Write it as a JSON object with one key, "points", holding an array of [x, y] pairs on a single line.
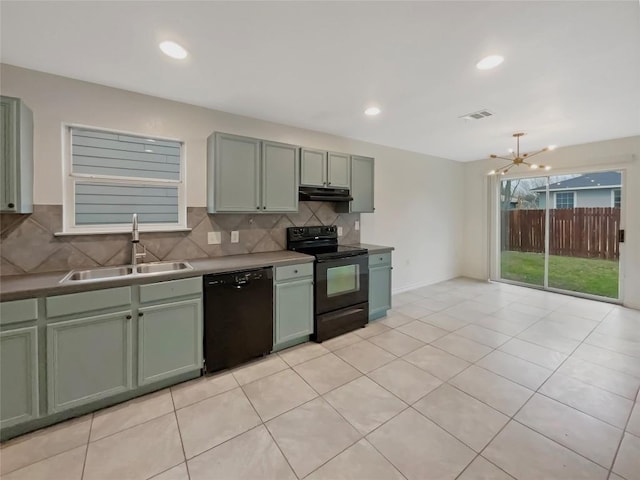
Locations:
{"points": [[144, 251]]}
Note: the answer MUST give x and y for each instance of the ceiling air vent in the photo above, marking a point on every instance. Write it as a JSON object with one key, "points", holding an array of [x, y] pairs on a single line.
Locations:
{"points": [[479, 115]]}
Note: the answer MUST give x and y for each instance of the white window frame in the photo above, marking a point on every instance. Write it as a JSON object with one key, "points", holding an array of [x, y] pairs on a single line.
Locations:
{"points": [[69, 183], [555, 199], [613, 197]]}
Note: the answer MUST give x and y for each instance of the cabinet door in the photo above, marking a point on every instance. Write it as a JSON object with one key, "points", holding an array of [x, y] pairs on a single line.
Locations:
{"points": [[313, 168], [16, 156], [88, 359], [280, 177], [294, 310], [18, 376], [236, 174], [339, 170], [379, 291], [169, 340], [9, 119], [362, 184]]}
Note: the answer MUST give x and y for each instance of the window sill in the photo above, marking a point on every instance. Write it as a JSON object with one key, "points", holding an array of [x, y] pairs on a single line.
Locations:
{"points": [[116, 231]]}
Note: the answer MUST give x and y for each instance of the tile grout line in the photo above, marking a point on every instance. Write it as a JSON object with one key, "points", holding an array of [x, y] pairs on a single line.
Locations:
{"points": [[132, 426], [512, 418], [86, 451], [19, 440], [624, 432], [264, 425], [184, 453], [534, 392]]}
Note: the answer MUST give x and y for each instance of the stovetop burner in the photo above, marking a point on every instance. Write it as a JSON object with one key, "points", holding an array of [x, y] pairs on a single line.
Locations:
{"points": [[321, 242]]}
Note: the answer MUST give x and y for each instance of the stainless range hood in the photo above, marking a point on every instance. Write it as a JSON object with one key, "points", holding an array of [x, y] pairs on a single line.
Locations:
{"points": [[324, 194]]}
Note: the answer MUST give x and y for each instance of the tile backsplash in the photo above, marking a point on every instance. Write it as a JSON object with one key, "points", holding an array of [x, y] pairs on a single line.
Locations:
{"points": [[28, 244]]}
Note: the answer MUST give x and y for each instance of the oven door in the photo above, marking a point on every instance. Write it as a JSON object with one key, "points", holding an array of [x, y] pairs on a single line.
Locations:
{"points": [[341, 282]]}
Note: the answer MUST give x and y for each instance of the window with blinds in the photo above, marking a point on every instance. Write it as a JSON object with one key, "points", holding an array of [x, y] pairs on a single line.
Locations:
{"points": [[113, 175]]}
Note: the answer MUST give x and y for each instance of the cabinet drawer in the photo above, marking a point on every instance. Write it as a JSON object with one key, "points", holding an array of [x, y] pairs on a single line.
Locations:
{"points": [[379, 259], [18, 311], [294, 271], [88, 301], [170, 289]]}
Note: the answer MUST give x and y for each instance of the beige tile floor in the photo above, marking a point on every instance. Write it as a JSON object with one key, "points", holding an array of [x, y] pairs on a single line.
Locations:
{"points": [[463, 379]]}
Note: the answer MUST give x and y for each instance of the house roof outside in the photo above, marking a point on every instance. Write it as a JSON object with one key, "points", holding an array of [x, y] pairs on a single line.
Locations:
{"points": [[593, 181]]}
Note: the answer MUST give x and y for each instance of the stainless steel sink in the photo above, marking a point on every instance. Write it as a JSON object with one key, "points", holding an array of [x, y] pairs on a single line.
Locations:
{"points": [[162, 267], [110, 273], [98, 274]]}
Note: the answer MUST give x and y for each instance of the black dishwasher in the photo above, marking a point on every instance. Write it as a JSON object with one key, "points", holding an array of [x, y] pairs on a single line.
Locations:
{"points": [[238, 317]]}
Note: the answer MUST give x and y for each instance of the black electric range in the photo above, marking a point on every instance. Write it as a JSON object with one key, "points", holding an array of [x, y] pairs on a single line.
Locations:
{"points": [[341, 279]]}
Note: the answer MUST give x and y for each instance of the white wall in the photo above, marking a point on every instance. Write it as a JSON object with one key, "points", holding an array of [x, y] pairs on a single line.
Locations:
{"points": [[579, 158], [419, 203]]}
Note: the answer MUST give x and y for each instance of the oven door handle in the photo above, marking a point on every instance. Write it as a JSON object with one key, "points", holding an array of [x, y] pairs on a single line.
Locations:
{"points": [[356, 257], [343, 313]]}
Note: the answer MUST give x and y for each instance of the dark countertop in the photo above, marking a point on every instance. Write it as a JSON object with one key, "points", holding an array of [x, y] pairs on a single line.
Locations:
{"points": [[374, 248], [16, 287]]}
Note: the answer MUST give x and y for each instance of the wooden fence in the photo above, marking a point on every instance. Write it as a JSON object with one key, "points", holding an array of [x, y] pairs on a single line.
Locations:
{"points": [[573, 232]]}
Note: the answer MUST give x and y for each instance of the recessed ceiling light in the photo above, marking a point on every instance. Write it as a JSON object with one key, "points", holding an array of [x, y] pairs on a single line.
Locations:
{"points": [[552, 147], [173, 50], [372, 111], [489, 62]]}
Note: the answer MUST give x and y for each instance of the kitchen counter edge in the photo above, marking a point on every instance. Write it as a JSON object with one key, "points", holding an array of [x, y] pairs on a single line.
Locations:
{"points": [[374, 248], [18, 287]]}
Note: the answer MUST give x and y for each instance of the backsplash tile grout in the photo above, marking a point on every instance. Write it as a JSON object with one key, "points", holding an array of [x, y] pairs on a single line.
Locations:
{"points": [[28, 244]]}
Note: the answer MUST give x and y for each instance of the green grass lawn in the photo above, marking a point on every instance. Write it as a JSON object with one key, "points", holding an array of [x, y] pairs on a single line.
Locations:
{"points": [[586, 275]]}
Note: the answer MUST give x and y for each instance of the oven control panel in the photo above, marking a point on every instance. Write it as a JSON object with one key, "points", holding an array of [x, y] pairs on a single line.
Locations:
{"points": [[312, 233]]}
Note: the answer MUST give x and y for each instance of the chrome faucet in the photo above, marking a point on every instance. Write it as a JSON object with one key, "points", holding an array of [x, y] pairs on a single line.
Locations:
{"points": [[135, 241]]}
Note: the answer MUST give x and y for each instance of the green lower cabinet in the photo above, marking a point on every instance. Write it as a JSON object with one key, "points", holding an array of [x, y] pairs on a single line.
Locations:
{"points": [[88, 359], [169, 340], [379, 291], [18, 376], [293, 312]]}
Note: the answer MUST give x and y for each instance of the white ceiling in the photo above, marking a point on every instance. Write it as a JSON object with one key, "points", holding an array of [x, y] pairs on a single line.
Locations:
{"points": [[571, 74]]}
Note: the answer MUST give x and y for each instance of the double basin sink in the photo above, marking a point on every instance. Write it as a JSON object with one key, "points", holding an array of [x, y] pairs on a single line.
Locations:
{"points": [[125, 271]]}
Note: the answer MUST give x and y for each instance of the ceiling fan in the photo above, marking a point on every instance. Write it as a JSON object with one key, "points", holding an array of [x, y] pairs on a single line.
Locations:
{"points": [[516, 159]]}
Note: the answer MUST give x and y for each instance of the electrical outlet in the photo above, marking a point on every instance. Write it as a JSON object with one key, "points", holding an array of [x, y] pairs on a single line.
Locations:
{"points": [[235, 236], [357, 225], [339, 231], [214, 238]]}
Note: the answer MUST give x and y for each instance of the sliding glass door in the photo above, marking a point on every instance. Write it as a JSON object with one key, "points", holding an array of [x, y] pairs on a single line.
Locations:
{"points": [[522, 230], [562, 232]]}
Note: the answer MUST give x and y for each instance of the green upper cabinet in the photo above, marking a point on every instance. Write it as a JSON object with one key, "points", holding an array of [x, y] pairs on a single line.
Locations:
{"points": [[362, 181], [313, 168], [324, 169], [251, 175], [339, 170], [18, 376], [236, 174], [16, 164], [279, 177]]}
